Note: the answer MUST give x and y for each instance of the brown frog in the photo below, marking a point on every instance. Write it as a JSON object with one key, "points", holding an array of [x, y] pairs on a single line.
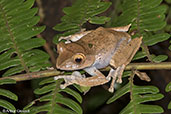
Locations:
{"points": [[93, 50]]}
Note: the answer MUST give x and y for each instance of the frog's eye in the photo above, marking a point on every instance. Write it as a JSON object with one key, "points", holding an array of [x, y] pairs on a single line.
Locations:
{"points": [[79, 58]]}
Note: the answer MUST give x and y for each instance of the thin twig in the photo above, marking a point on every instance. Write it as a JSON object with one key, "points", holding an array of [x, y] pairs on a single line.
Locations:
{"points": [[51, 73]]}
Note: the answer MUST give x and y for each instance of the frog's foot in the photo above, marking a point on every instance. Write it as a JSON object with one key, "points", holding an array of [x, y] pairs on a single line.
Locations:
{"points": [[142, 75], [49, 68], [74, 37], [70, 79], [115, 74], [120, 72]]}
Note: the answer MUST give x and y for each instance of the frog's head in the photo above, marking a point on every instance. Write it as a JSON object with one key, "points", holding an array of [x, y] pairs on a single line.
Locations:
{"points": [[73, 56]]}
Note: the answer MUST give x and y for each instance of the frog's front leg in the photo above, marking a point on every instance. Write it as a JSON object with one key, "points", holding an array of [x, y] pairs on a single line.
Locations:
{"points": [[69, 79], [97, 78], [115, 74], [74, 37]]}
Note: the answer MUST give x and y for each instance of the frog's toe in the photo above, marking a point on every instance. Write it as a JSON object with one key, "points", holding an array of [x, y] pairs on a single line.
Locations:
{"points": [[111, 89], [62, 86], [119, 80], [108, 78], [57, 77], [78, 74]]}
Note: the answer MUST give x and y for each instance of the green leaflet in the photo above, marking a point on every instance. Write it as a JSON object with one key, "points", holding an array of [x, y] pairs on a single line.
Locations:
{"points": [[139, 55], [168, 89], [17, 28], [35, 110], [145, 89], [45, 89], [7, 81], [99, 20], [147, 97], [8, 94], [152, 40], [160, 58], [141, 108], [126, 74], [169, 105], [13, 71], [63, 111], [150, 108], [73, 93], [7, 105], [71, 104], [47, 81], [119, 93]]}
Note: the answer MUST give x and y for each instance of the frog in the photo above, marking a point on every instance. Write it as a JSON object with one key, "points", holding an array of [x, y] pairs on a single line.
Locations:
{"points": [[93, 50]]}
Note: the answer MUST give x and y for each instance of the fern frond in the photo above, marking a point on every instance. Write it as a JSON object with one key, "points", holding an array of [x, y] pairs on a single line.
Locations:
{"points": [[6, 93], [80, 12], [139, 95], [147, 17], [18, 49], [53, 97]]}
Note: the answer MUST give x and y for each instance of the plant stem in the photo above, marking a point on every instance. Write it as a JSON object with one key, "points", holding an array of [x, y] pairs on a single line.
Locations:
{"points": [[51, 73]]}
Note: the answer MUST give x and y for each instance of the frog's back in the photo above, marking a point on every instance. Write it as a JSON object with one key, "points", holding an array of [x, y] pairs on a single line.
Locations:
{"points": [[102, 43], [103, 39]]}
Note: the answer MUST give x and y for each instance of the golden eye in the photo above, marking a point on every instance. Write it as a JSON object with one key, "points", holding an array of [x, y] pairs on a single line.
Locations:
{"points": [[79, 58]]}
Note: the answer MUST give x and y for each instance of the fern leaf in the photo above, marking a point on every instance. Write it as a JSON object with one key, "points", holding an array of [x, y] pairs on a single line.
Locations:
{"points": [[168, 87], [156, 38], [7, 81], [139, 95], [139, 55], [149, 109], [160, 58], [81, 12], [147, 17], [8, 94], [71, 104], [119, 93], [17, 45], [99, 20], [46, 81], [52, 95], [73, 93], [6, 104], [45, 89]]}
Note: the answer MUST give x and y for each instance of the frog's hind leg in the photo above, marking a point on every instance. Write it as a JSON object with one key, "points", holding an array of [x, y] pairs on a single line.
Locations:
{"points": [[125, 52], [122, 57]]}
